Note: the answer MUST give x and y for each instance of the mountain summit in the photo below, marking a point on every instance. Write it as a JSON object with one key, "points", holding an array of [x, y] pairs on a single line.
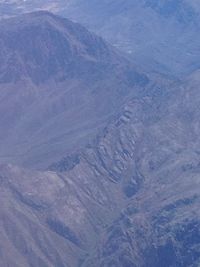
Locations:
{"points": [[41, 46]]}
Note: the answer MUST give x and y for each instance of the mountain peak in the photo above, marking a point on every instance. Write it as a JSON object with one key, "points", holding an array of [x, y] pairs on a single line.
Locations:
{"points": [[45, 46], [38, 18]]}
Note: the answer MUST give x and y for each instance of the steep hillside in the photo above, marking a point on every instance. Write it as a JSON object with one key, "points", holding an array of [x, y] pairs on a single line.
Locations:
{"points": [[59, 84], [129, 199]]}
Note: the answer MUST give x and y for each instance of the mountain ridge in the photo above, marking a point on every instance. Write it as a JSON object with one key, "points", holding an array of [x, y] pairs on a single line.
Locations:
{"points": [[59, 82], [126, 201]]}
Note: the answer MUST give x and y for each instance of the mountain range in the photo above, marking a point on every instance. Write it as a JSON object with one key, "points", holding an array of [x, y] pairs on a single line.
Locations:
{"points": [[153, 33], [100, 159]]}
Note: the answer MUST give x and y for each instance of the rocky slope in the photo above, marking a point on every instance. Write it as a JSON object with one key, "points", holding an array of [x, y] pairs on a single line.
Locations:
{"points": [[130, 198], [159, 225], [59, 84]]}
